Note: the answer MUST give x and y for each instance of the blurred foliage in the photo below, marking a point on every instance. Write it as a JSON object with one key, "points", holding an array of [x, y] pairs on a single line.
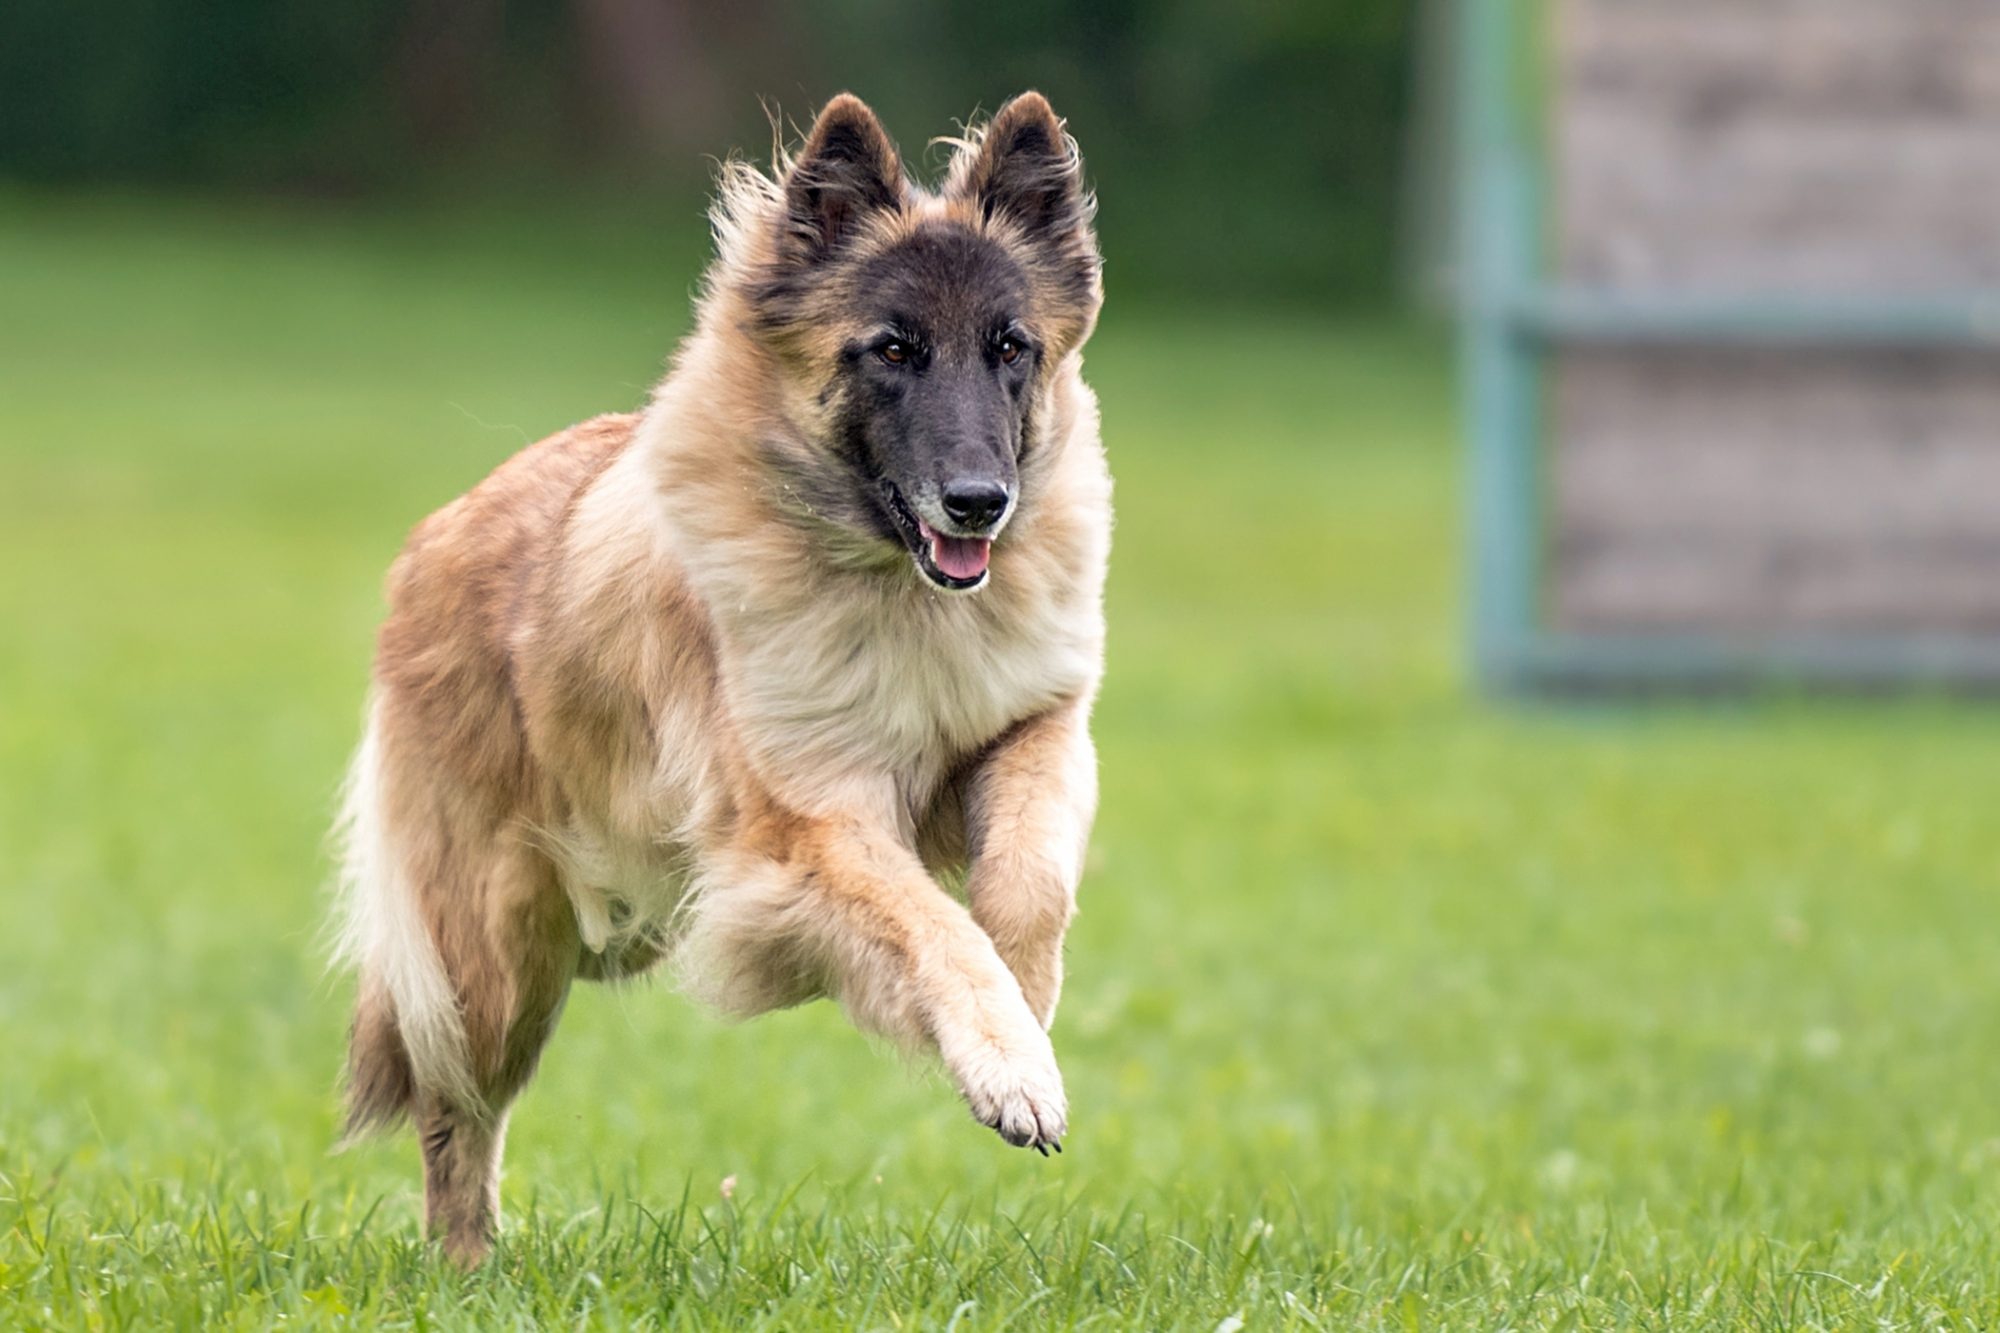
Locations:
{"points": [[1247, 149]]}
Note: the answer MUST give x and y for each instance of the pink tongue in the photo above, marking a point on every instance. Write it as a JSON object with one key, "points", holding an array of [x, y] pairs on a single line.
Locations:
{"points": [[960, 557]]}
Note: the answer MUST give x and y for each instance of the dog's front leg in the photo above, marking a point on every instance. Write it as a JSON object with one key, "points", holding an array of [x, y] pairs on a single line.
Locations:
{"points": [[1028, 811], [842, 906]]}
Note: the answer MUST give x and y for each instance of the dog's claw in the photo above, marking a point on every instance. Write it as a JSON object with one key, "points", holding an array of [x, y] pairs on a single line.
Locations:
{"points": [[1056, 1144], [1020, 1097]]}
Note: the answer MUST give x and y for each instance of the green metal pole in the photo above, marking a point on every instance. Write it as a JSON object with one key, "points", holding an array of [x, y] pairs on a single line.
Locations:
{"points": [[1499, 249]]}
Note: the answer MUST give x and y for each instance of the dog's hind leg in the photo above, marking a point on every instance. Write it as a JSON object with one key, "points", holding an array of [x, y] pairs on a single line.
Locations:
{"points": [[465, 944], [510, 948], [461, 1178]]}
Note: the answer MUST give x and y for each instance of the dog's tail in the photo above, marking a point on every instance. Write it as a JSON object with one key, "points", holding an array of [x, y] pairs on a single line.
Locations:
{"points": [[381, 1084], [408, 1033]]}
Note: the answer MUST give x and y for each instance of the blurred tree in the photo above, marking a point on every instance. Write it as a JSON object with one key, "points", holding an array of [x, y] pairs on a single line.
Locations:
{"points": [[1249, 149]]}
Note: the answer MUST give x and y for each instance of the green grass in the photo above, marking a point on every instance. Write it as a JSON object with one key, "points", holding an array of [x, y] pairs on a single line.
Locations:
{"points": [[1389, 1006]]}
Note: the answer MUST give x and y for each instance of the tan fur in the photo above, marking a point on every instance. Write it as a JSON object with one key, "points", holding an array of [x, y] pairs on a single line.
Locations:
{"points": [[633, 701]]}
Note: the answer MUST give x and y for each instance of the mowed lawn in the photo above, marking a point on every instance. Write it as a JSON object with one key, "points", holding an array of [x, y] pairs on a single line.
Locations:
{"points": [[1389, 1006]]}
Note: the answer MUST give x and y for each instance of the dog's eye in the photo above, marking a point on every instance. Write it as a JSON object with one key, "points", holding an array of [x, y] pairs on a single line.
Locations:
{"points": [[1010, 349], [895, 353]]}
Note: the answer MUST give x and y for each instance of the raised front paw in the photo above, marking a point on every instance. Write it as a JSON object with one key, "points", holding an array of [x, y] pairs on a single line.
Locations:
{"points": [[1019, 1098]]}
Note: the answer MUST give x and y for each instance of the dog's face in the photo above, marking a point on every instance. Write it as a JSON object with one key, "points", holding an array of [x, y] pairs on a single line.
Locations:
{"points": [[926, 328]]}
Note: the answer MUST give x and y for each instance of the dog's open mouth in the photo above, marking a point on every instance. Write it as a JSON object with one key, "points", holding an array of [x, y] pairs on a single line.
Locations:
{"points": [[957, 563]]}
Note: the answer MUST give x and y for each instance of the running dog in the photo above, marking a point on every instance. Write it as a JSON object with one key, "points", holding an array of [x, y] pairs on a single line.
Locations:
{"points": [[785, 679]]}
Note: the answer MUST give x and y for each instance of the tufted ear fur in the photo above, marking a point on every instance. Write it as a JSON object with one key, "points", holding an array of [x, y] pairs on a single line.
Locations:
{"points": [[1023, 172], [1028, 169], [848, 170]]}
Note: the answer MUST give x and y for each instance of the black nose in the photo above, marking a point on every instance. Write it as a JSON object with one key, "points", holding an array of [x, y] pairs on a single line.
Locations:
{"points": [[974, 504]]}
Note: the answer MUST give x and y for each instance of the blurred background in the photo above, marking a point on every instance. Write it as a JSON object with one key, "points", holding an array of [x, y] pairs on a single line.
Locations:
{"points": [[1251, 151], [1413, 986]]}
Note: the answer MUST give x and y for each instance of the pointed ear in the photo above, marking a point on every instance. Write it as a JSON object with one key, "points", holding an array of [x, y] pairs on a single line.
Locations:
{"points": [[1028, 169], [847, 170]]}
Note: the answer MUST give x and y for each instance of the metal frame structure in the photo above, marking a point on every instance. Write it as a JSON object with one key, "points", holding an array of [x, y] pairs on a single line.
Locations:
{"points": [[1511, 318]]}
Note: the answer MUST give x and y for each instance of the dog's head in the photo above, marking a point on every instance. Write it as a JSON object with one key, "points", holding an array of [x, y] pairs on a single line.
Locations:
{"points": [[924, 329]]}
